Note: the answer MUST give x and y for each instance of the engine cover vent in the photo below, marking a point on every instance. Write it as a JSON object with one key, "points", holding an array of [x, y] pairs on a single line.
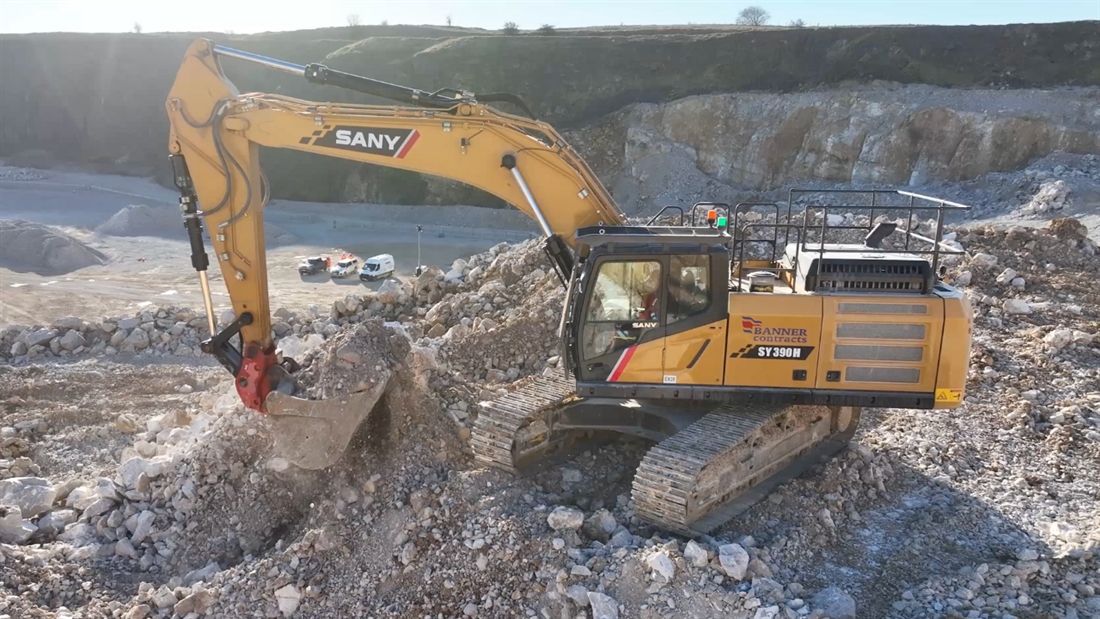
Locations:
{"points": [[857, 269]]}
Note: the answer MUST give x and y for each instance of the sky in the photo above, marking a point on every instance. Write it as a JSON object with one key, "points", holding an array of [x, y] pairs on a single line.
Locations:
{"points": [[249, 16]]}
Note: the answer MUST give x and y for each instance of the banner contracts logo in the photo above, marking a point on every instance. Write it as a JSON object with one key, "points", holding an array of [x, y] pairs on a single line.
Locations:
{"points": [[772, 335]]}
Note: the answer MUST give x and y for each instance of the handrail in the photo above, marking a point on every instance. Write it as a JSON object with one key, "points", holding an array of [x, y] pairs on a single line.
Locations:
{"points": [[660, 212], [946, 203], [939, 205], [878, 204], [744, 207], [745, 241]]}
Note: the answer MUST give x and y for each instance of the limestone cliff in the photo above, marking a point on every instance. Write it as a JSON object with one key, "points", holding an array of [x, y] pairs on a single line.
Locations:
{"points": [[884, 135]]}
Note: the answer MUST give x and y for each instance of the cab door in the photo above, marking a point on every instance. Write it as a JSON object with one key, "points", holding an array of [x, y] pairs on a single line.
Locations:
{"points": [[696, 319], [622, 327]]}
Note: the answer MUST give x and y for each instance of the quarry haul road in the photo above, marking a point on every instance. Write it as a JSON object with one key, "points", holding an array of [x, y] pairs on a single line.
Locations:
{"points": [[146, 270]]}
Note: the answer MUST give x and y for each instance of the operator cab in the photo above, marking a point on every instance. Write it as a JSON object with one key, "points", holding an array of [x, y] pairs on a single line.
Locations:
{"points": [[647, 285]]}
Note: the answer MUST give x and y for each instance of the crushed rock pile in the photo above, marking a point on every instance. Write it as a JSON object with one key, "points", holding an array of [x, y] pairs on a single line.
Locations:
{"points": [[153, 332], [404, 527], [1052, 195], [358, 359], [1034, 292], [1055, 184], [988, 511], [143, 220], [174, 498], [9, 173], [27, 246], [1029, 443], [500, 331], [488, 321], [79, 421]]}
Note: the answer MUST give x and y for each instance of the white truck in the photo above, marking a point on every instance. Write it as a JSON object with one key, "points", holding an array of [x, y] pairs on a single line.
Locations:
{"points": [[344, 267], [377, 267]]}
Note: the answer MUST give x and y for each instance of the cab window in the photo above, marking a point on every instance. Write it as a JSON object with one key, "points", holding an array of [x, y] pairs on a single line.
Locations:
{"points": [[625, 301], [688, 286]]}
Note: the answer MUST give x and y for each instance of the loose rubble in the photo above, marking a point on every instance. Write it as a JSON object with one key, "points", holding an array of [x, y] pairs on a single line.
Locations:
{"points": [[11, 173], [180, 510]]}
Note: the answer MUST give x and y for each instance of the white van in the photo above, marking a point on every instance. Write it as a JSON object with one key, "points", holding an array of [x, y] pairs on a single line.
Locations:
{"points": [[377, 267]]}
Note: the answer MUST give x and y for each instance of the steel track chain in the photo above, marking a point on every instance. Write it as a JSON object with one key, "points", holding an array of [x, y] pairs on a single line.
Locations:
{"points": [[701, 477], [499, 420]]}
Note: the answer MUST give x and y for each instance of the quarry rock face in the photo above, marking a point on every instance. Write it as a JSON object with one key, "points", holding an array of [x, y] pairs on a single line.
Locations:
{"points": [[896, 136], [44, 102]]}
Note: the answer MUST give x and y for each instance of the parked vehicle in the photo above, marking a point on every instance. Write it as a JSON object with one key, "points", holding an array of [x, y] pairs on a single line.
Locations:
{"points": [[312, 265], [344, 267], [377, 267]]}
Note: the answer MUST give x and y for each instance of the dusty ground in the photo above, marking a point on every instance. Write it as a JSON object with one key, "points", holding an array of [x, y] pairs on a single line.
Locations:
{"points": [[989, 511], [78, 406], [143, 270]]}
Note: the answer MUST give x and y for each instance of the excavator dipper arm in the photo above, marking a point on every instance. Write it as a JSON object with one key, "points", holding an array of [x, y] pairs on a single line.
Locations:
{"points": [[214, 139]]}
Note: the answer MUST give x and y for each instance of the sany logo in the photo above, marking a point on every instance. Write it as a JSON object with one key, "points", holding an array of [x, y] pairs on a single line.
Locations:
{"points": [[748, 325], [376, 141], [345, 137]]}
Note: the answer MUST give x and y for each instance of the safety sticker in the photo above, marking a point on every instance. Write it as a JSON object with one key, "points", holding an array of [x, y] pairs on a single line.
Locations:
{"points": [[949, 395]]}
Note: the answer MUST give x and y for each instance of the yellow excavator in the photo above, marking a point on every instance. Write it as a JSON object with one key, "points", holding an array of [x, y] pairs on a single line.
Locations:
{"points": [[743, 340]]}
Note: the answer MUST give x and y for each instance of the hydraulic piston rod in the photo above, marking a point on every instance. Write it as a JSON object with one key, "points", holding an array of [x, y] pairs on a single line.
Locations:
{"points": [[189, 206], [320, 74], [509, 162], [274, 63], [556, 249]]}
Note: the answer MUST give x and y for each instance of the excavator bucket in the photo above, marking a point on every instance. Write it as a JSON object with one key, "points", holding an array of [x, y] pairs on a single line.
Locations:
{"points": [[313, 434]]}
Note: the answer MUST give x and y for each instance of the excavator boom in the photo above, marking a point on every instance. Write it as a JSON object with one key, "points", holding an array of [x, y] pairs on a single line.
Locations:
{"points": [[214, 140]]}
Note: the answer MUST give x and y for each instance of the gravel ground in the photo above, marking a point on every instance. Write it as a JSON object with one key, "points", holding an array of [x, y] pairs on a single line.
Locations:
{"points": [[166, 500]]}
